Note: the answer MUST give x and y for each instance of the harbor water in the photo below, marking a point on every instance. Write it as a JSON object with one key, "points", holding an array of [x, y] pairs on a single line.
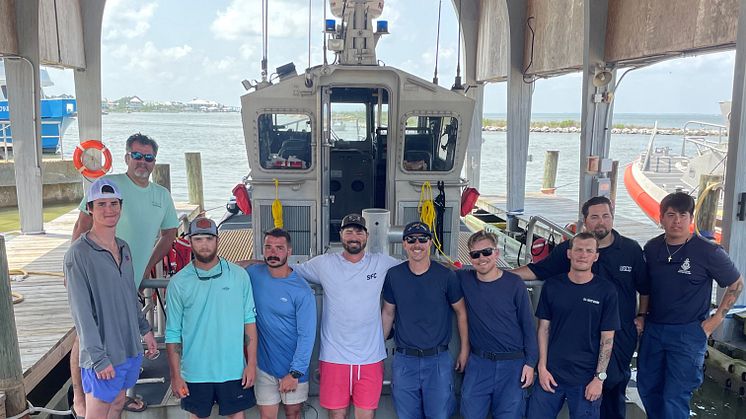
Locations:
{"points": [[219, 138]]}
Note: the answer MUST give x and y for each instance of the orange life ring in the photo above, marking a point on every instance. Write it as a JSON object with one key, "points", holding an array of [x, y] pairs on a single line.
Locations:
{"points": [[81, 148]]}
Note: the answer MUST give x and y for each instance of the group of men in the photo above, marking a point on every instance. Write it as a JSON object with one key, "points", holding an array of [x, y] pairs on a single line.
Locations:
{"points": [[230, 327]]}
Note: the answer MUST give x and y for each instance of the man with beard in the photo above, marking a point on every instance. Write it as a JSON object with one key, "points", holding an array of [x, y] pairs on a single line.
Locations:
{"points": [[352, 345], [578, 315], [286, 324], [148, 224], [621, 262], [210, 319]]}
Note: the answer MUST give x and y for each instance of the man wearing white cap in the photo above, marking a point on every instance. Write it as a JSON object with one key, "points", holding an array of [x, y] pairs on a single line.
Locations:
{"points": [[104, 305]]}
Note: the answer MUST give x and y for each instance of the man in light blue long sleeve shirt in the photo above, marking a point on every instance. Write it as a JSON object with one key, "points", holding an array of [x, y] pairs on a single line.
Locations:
{"points": [[286, 325]]}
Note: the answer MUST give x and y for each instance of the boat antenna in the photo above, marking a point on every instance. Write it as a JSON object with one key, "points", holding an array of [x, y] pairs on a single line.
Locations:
{"points": [[457, 82], [437, 45], [265, 35], [325, 35]]}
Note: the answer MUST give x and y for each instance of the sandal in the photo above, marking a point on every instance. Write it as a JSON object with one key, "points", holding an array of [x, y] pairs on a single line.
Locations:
{"points": [[136, 404]]}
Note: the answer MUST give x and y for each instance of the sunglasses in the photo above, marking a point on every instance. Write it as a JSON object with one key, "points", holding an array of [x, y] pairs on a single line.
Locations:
{"points": [[139, 156], [484, 252], [206, 278], [414, 239]]}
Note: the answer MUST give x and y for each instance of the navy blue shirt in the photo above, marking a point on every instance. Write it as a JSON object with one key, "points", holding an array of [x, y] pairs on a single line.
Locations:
{"points": [[623, 264], [499, 312], [578, 313], [681, 290], [423, 304]]}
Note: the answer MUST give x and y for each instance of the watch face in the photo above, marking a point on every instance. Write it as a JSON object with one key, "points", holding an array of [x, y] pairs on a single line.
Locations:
{"points": [[601, 376]]}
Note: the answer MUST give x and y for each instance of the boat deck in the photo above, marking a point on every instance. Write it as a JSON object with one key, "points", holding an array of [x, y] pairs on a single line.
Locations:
{"points": [[43, 322], [562, 211]]}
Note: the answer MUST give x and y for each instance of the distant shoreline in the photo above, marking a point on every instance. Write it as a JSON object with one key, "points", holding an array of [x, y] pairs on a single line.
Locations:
{"points": [[569, 126]]}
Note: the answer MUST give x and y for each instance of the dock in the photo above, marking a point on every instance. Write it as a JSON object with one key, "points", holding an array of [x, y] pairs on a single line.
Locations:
{"points": [[562, 211], [43, 322]]}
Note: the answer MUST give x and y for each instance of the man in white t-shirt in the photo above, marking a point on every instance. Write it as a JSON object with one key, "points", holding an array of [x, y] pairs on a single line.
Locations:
{"points": [[352, 342]]}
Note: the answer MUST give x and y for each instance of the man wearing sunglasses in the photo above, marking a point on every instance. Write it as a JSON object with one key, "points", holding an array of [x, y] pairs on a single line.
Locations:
{"points": [[418, 296], [211, 315], [148, 224], [502, 335], [681, 267], [620, 261]]}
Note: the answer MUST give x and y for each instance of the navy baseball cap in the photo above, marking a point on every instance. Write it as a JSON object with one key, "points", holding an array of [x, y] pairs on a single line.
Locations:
{"points": [[103, 188], [203, 225], [416, 227], [353, 220]]}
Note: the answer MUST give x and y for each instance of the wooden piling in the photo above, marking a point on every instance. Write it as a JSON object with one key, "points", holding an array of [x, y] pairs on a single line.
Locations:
{"points": [[162, 175], [194, 179], [613, 176], [11, 373], [550, 172], [708, 209]]}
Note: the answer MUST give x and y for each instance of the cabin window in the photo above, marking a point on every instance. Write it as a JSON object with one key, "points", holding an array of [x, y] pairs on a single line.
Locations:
{"points": [[430, 143], [285, 141]]}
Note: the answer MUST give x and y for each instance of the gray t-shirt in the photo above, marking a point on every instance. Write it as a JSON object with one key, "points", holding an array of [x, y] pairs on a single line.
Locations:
{"points": [[351, 329]]}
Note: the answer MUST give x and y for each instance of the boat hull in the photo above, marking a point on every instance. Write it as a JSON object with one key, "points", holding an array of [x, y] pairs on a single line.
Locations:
{"points": [[56, 116]]}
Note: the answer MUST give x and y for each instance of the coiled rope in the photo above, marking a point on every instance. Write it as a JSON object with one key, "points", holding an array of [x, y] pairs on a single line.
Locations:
{"points": [[426, 208], [277, 206]]}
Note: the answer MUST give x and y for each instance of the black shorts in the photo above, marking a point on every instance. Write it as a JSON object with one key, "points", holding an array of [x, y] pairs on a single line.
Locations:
{"points": [[230, 396]]}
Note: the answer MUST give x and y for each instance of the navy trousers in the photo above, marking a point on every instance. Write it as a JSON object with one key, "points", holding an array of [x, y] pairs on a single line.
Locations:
{"points": [[495, 384], [422, 387], [545, 405]]}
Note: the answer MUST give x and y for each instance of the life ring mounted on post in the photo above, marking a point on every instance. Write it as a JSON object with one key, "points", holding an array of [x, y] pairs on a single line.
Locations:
{"points": [[79, 154]]}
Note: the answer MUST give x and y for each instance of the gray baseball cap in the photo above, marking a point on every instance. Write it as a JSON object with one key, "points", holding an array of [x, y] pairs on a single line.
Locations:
{"points": [[203, 225], [103, 188], [353, 220]]}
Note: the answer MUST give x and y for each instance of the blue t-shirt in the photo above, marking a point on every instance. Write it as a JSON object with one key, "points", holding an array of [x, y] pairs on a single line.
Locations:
{"points": [[578, 313], [500, 317], [681, 290], [623, 264], [423, 304], [286, 322]]}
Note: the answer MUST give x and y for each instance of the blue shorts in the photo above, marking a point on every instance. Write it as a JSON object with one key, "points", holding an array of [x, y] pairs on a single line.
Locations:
{"points": [[125, 376], [230, 396]]}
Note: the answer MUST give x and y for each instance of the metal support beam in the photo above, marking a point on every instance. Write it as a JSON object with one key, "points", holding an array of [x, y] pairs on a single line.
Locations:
{"points": [[88, 80], [597, 107], [734, 208], [25, 117], [474, 149], [519, 106]]}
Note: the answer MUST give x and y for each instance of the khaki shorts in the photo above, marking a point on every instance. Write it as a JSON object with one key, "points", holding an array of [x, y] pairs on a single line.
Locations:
{"points": [[267, 391]]}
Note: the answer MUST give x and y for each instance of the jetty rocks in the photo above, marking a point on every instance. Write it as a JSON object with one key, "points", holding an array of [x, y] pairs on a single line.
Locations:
{"points": [[633, 131]]}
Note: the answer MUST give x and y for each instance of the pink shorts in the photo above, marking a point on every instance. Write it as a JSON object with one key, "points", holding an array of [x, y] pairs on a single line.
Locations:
{"points": [[340, 382]]}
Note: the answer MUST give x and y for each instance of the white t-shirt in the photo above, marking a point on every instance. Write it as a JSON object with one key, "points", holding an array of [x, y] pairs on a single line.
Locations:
{"points": [[351, 329]]}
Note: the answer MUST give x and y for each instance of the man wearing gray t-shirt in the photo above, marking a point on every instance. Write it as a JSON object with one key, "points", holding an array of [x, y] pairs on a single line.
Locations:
{"points": [[352, 344]]}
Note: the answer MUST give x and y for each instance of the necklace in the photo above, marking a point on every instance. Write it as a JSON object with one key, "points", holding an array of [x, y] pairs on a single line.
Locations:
{"points": [[671, 255]]}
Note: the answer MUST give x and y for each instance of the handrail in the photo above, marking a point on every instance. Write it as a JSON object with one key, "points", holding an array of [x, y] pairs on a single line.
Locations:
{"points": [[530, 232], [720, 128]]}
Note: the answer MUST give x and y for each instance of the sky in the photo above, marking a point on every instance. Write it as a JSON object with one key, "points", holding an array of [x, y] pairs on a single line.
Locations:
{"points": [[175, 50]]}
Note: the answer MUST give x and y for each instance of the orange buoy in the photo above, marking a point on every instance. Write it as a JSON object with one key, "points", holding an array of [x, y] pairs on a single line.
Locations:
{"points": [[80, 166]]}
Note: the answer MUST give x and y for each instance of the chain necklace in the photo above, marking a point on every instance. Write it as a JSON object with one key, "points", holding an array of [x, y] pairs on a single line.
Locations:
{"points": [[671, 255]]}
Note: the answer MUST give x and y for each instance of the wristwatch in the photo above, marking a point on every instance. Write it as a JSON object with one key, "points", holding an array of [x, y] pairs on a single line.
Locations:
{"points": [[296, 374], [601, 375]]}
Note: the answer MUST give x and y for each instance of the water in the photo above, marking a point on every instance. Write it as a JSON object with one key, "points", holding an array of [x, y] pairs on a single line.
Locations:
{"points": [[219, 137]]}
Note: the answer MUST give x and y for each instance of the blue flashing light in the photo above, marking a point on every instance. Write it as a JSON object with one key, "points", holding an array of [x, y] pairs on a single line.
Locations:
{"points": [[382, 26], [330, 25]]}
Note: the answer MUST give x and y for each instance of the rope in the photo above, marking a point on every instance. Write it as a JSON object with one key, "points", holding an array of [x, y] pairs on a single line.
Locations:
{"points": [[713, 186], [426, 208], [277, 206], [32, 410], [17, 296]]}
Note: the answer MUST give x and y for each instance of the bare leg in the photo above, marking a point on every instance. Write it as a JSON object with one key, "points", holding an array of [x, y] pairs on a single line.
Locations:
{"points": [[115, 410], [364, 413], [79, 397], [97, 409], [237, 415], [292, 411], [338, 413], [268, 411]]}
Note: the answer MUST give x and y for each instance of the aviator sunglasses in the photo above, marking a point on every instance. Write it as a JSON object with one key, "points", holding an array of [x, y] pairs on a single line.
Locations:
{"points": [[484, 252], [413, 239], [139, 156]]}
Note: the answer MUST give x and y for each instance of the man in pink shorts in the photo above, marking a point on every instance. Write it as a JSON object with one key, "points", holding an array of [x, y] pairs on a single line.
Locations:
{"points": [[352, 345]]}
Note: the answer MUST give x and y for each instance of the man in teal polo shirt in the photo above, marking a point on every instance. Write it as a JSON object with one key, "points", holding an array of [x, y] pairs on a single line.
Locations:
{"points": [[148, 224]]}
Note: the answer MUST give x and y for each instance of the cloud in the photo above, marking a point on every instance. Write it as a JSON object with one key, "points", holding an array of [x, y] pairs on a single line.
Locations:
{"points": [[241, 19], [127, 19], [149, 57]]}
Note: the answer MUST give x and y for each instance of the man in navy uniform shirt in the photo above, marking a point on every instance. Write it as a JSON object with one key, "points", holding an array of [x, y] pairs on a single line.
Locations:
{"points": [[621, 262], [418, 296], [681, 267], [502, 335], [578, 314]]}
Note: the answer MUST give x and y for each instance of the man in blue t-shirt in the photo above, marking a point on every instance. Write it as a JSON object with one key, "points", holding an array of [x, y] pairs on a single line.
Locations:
{"points": [[620, 260], [578, 314], [502, 335], [418, 297], [681, 267], [286, 324], [210, 320]]}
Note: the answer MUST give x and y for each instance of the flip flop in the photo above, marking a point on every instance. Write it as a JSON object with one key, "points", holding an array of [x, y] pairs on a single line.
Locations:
{"points": [[75, 415], [136, 404]]}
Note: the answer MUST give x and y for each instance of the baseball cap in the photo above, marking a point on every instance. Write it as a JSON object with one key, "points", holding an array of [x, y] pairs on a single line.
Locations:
{"points": [[103, 188], [203, 225], [416, 227], [353, 220]]}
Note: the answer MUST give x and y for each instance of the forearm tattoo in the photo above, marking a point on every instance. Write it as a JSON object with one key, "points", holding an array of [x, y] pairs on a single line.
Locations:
{"points": [[730, 297], [605, 353]]}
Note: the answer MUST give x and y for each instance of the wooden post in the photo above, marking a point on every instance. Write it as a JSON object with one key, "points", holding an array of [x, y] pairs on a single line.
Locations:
{"points": [[613, 176], [708, 210], [194, 179], [162, 175], [548, 185], [11, 374]]}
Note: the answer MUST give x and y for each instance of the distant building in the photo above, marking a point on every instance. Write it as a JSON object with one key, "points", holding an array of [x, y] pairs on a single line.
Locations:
{"points": [[135, 104]]}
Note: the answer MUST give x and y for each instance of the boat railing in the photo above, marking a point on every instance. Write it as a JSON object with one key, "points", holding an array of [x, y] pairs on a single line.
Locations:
{"points": [[531, 226], [7, 141], [701, 141]]}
